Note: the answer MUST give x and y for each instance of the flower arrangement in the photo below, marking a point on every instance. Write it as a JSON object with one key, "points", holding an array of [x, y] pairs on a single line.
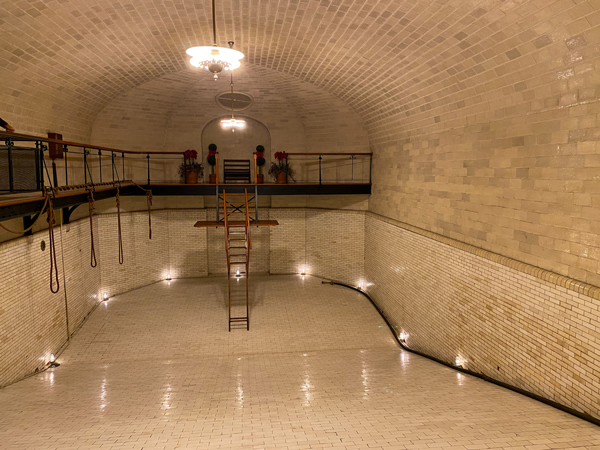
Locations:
{"points": [[190, 164], [281, 166], [260, 158], [211, 158]]}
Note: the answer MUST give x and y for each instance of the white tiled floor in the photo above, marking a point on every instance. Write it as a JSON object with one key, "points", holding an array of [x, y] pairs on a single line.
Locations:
{"points": [[157, 369]]}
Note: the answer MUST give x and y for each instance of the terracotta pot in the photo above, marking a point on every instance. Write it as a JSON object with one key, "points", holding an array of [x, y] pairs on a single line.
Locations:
{"points": [[260, 178], [212, 179], [281, 178], [191, 177]]}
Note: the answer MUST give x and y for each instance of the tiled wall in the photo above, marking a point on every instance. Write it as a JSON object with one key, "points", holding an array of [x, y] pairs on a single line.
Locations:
{"points": [[32, 319], [504, 323], [495, 141], [335, 244]]}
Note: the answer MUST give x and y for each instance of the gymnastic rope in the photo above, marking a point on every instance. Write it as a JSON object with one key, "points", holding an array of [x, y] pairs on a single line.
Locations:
{"points": [[121, 259], [46, 200], [91, 207], [149, 202], [52, 249], [52, 242]]}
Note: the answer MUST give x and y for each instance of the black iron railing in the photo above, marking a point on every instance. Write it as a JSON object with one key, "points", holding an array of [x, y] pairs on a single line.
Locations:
{"points": [[32, 163], [26, 164], [326, 168]]}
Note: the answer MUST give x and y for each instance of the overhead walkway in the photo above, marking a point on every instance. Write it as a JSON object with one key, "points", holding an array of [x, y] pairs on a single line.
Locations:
{"points": [[31, 166]]}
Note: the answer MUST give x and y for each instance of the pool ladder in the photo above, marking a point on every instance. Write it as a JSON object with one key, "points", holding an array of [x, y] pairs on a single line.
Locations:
{"points": [[238, 243]]}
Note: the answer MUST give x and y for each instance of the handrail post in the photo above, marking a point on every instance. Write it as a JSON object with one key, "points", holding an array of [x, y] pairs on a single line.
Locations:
{"points": [[217, 196], [65, 151], [38, 172], [320, 159], [41, 160], [148, 159], [256, 202], [217, 166], [100, 163], [287, 168], [370, 167], [255, 172], [11, 180], [112, 165], [84, 166], [54, 172], [123, 159]]}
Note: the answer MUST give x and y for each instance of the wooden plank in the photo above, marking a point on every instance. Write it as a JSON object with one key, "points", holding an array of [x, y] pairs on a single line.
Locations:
{"points": [[212, 223]]}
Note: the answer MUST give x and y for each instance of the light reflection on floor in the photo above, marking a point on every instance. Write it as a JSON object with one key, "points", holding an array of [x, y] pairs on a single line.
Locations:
{"points": [[157, 369]]}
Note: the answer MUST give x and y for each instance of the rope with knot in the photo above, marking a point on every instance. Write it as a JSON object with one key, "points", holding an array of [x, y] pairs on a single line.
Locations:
{"points": [[149, 202], [51, 219], [118, 197], [91, 207]]}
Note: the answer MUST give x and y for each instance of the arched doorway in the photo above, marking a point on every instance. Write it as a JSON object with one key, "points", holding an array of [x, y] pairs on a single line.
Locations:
{"points": [[238, 144]]}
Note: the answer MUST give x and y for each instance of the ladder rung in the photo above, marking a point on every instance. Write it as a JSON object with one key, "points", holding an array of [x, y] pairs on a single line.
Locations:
{"points": [[238, 203], [238, 319]]}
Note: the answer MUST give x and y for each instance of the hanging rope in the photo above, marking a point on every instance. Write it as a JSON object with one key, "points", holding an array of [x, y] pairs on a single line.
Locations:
{"points": [[46, 200], [52, 243], [52, 249], [93, 261], [149, 202], [121, 259]]}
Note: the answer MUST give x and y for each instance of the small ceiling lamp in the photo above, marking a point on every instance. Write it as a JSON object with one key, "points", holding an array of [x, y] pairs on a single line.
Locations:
{"points": [[215, 59], [232, 123]]}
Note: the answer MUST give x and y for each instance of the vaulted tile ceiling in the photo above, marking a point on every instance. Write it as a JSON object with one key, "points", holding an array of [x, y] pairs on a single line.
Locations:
{"points": [[383, 57]]}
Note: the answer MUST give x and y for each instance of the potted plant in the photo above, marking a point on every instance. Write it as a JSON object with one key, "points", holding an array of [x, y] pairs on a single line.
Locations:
{"points": [[190, 169], [281, 169], [211, 159], [260, 162]]}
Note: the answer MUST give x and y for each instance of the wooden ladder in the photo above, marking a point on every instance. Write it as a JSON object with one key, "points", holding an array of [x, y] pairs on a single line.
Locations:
{"points": [[238, 243]]}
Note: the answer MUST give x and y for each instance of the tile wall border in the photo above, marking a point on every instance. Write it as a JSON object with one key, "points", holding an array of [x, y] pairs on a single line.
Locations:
{"points": [[548, 276]]}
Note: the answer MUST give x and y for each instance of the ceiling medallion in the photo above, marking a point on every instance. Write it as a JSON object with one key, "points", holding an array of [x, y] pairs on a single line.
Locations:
{"points": [[212, 58]]}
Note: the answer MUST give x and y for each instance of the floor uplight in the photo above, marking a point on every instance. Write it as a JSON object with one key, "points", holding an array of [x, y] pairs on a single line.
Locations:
{"points": [[53, 362]]}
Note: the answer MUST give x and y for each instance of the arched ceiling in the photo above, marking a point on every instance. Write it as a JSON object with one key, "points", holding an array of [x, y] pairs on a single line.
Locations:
{"points": [[384, 57], [173, 109]]}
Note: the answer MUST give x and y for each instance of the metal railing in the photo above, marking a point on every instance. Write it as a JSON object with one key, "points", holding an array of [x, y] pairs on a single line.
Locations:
{"points": [[324, 168], [25, 157]]}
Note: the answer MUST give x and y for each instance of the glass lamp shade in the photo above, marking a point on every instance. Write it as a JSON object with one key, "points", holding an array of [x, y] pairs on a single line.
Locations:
{"points": [[215, 59], [233, 123]]}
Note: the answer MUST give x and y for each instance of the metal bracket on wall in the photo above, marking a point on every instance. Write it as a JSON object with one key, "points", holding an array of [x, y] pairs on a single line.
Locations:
{"points": [[66, 213]]}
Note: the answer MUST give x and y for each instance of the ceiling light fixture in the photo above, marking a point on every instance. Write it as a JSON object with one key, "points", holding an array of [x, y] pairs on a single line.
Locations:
{"points": [[232, 123], [212, 58]]}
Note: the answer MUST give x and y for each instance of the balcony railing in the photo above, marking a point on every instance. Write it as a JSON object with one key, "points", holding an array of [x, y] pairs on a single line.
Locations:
{"points": [[325, 168], [26, 165]]}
